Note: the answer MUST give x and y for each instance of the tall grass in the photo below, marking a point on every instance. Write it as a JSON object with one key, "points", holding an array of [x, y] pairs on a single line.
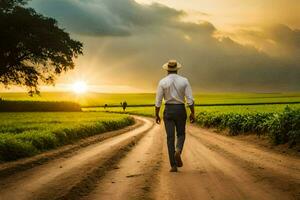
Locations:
{"points": [[27, 134], [279, 122]]}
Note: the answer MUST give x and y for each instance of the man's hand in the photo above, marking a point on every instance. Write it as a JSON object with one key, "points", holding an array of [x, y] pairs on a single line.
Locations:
{"points": [[192, 115], [158, 119], [192, 118], [157, 109]]}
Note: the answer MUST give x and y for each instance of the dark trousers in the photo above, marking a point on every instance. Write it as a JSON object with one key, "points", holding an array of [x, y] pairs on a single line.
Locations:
{"points": [[175, 119]]}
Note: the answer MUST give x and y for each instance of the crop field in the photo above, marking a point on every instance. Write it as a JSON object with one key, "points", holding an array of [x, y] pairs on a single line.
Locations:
{"points": [[281, 123], [149, 111], [99, 99], [144, 111], [26, 134], [282, 126], [246, 108], [38, 106]]}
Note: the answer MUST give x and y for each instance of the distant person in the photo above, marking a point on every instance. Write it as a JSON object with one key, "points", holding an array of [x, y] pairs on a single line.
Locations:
{"points": [[124, 105], [105, 106], [174, 89]]}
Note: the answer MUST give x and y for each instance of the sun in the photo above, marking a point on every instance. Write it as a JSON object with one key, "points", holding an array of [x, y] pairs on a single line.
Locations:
{"points": [[79, 87]]}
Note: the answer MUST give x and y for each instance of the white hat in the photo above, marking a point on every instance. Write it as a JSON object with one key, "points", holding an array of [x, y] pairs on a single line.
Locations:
{"points": [[172, 65]]}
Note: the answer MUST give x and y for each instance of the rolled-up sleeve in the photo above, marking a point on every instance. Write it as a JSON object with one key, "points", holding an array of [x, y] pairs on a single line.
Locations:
{"points": [[188, 94], [159, 95]]}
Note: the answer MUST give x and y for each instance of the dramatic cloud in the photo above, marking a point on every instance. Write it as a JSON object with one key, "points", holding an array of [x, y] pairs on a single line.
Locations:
{"points": [[126, 43], [277, 40], [106, 17]]}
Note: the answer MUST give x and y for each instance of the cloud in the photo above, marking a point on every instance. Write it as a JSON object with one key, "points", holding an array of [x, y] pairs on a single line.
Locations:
{"points": [[277, 40], [106, 17], [285, 38], [140, 38], [83, 17]]}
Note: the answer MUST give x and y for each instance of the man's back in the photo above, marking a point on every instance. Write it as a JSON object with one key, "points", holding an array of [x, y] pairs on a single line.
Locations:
{"points": [[173, 88]]}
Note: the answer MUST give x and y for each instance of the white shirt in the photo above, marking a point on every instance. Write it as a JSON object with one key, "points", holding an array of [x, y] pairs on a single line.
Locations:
{"points": [[173, 88]]}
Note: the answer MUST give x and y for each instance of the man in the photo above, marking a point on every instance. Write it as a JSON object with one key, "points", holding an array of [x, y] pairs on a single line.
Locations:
{"points": [[174, 89], [124, 105]]}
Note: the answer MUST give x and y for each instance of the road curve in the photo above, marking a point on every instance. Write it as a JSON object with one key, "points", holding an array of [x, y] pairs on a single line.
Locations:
{"points": [[54, 179], [134, 165]]}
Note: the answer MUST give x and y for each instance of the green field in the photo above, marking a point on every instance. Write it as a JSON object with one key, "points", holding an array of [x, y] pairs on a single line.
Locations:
{"points": [[144, 111], [99, 99], [38, 106], [149, 111], [26, 134], [246, 108], [281, 123]]}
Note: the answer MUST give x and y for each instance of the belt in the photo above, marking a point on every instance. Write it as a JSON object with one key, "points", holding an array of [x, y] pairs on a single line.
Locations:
{"points": [[174, 104]]}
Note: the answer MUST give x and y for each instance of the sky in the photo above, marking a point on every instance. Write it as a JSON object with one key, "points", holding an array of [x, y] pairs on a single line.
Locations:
{"points": [[223, 45]]}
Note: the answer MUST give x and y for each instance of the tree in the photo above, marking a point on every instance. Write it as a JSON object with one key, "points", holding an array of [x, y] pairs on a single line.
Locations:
{"points": [[33, 49]]}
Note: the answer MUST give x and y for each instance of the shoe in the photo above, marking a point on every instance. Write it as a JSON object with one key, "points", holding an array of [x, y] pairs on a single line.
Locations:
{"points": [[178, 159], [173, 169]]}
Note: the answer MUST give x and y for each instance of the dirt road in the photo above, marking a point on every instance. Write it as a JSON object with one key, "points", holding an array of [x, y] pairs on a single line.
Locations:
{"points": [[134, 165]]}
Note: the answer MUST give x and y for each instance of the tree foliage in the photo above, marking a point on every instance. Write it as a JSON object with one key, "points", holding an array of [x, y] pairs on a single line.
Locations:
{"points": [[33, 49]]}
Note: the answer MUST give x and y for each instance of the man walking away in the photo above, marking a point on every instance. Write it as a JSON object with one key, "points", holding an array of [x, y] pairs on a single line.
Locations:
{"points": [[124, 105], [174, 89]]}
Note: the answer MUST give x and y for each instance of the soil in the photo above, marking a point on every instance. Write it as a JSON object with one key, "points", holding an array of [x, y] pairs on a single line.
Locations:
{"points": [[133, 164]]}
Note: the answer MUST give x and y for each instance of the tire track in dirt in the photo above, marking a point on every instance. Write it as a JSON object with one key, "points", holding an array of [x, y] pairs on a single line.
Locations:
{"points": [[54, 179], [265, 167], [135, 175], [7, 169], [210, 174], [262, 156], [135, 165]]}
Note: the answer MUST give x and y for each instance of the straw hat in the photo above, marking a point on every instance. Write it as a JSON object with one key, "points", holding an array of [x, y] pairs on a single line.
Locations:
{"points": [[172, 65]]}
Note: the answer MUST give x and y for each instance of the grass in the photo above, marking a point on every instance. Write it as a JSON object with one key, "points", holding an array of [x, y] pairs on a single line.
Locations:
{"points": [[99, 99], [246, 108], [144, 111], [27, 134], [280, 122], [38, 106], [150, 111]]}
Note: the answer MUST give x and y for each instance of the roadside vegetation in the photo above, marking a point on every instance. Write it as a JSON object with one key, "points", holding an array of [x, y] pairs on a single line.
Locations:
{"points": [[149, 111], [24, 134], [27, 134], [281, 123], [280, 126]]}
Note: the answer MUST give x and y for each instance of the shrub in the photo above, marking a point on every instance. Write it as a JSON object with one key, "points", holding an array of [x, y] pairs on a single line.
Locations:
{"points": [[285, 127], [12, 149], [281, 127]]}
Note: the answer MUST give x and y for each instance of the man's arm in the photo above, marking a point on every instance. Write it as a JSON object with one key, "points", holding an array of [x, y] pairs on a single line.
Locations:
{"points": [[157, 109], [158, 102], [190, 101], [192, 115]]}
